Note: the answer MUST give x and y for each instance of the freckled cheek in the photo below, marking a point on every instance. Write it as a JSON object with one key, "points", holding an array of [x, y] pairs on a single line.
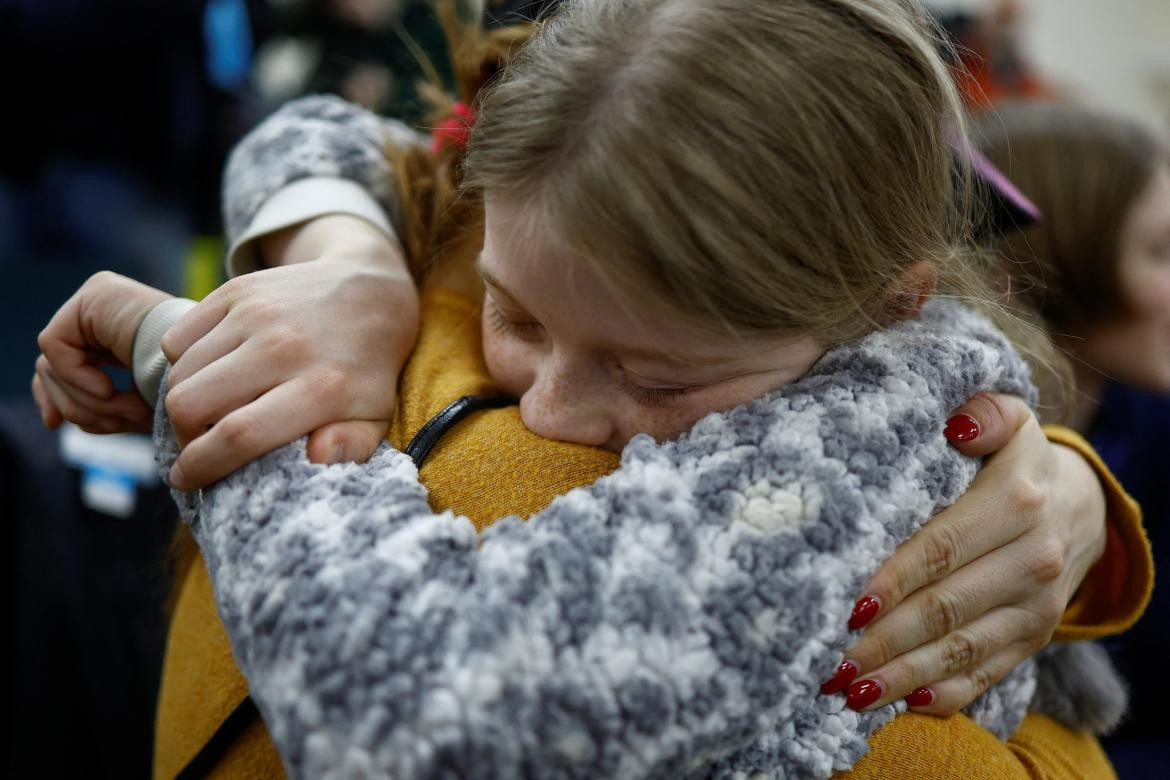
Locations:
{"points": [[509, 363]]}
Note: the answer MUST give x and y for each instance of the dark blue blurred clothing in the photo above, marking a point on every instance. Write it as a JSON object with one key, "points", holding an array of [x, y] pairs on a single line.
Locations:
{"points": [[1132, 434]]}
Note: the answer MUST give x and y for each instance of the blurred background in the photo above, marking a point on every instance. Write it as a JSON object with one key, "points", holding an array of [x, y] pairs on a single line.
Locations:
{"points": [[120, 114]]}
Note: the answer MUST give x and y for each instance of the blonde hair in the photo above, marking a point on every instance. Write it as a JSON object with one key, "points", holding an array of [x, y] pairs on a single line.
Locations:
{"points": [[774, 166]]}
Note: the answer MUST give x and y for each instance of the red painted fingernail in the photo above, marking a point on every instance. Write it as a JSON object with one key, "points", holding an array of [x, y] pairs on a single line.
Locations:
{"points": [[844, 675], [961, 427], [863, 693], [920, 697], [864, 610]]}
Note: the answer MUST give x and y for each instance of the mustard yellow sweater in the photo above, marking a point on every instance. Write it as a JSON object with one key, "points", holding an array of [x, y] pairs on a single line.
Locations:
{"points": [[490, 466]]}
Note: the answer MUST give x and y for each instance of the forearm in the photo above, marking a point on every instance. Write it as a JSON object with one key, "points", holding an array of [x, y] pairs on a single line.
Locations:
{"points": [[317, 156], [332, 233]]}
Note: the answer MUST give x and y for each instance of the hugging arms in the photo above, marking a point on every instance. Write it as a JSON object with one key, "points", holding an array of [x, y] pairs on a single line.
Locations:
{"points": [[256, 296]]}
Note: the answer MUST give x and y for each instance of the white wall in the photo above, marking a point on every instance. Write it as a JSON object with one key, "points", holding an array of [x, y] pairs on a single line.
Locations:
{"points": [[1114, 54]]}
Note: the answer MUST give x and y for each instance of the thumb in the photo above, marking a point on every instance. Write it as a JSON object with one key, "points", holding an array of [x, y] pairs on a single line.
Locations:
{"points": [[348, 441], [986, 423]]}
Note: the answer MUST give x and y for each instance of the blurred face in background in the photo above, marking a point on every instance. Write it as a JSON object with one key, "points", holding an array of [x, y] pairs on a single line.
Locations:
{"points": [[1135, 350]]}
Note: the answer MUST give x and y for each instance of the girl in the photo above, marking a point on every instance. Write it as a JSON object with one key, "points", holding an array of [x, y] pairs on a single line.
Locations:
{"points": [[589, 356]]}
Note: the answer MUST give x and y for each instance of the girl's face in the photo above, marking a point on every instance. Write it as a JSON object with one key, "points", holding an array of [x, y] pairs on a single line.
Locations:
{"points": [[594, 367], [1136, 350]]}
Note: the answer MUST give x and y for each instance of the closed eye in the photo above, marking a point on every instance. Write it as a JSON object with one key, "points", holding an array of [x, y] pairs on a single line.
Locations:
{"points": [[652, 396], [526, 330]]}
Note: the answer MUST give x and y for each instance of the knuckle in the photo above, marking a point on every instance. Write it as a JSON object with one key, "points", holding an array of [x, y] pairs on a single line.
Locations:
{"points": [[240, 431], [942, 550], [978, 681], [1038, 642], [959, 652], [1047, 562], [287, 345], [330, 384], [942, 613], [1027, 496], [180, 409], [877, 648], [900, 581], [263, 310], [102, 277]]}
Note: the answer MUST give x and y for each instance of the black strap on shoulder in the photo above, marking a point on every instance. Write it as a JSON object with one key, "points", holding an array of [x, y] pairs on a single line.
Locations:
{"points": [[224, 737], [429, 435], [420, 446]]}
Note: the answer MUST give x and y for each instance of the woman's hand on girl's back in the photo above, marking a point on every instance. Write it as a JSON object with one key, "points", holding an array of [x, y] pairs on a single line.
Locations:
{"points": [[984, 584], [303, 348]]}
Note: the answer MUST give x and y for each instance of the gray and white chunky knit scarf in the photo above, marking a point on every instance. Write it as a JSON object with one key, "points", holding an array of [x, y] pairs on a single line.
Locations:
{"points": [[674, 619]]}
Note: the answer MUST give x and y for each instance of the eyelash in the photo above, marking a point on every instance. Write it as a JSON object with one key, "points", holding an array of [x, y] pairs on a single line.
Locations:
{"points": [[501, 324], [652, 396], [644, 396]]}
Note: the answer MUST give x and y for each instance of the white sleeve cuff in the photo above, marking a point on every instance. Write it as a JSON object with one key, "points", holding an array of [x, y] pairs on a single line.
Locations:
{"points": [[149, 360], [302, 200]]}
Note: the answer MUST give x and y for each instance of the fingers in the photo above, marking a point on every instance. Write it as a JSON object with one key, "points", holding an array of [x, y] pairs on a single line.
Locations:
{"points": [[50, 415], [272, 420], [123, 411], [353, 440], [960, 660], [986, 423], [939, 611], [948, 542], [197, 323], [64, 344], [953, 694], [229, 383], [220, 341]]}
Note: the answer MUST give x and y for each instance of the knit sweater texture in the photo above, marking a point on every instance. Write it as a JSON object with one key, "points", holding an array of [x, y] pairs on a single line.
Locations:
{"points": [[672, 619]]}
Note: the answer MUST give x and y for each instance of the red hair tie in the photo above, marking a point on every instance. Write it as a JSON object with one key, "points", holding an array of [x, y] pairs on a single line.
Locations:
{"points": [[454, 130]]}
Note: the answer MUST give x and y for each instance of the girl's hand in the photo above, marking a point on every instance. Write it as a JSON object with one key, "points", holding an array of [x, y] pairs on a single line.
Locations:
{"points": [[304, 348], [96, 327], [984, 584]]}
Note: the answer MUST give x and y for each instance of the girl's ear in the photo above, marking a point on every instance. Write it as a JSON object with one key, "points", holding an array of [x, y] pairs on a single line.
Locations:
{"points": [[915, 284]]}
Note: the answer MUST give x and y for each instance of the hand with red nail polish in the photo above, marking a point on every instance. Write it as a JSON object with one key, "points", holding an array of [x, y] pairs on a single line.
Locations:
{"points": [[863, 694], [864, 611], [841, 679], [920, 697], [961, 428], [984, 584]]}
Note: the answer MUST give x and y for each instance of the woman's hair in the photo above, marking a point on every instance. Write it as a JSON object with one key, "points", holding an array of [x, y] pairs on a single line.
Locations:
{"points": [[772, 166], [1084, 171]]}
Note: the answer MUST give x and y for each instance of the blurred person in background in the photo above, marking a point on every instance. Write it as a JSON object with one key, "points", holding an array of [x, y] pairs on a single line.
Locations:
{"points": [[1096, 268], [119, 117]]}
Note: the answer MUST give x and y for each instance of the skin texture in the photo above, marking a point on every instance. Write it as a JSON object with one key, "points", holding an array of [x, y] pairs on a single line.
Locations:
{"points": [[574, 353], [1135, 349], [590, 366]]}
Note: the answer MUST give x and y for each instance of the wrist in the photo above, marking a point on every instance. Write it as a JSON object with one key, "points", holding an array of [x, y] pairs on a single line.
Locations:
{"points": [[1081, 499], [331, 236]]}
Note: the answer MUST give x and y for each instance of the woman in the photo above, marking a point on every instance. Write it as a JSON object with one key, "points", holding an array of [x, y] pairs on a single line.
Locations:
{"points": [[544, 413]]}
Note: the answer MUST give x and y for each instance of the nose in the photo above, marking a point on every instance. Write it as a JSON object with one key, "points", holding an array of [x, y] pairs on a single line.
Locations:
{"points": [[566, 406]]}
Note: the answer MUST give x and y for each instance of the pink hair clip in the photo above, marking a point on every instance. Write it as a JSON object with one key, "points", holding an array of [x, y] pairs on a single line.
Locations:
{"points": [[454, 130]]}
